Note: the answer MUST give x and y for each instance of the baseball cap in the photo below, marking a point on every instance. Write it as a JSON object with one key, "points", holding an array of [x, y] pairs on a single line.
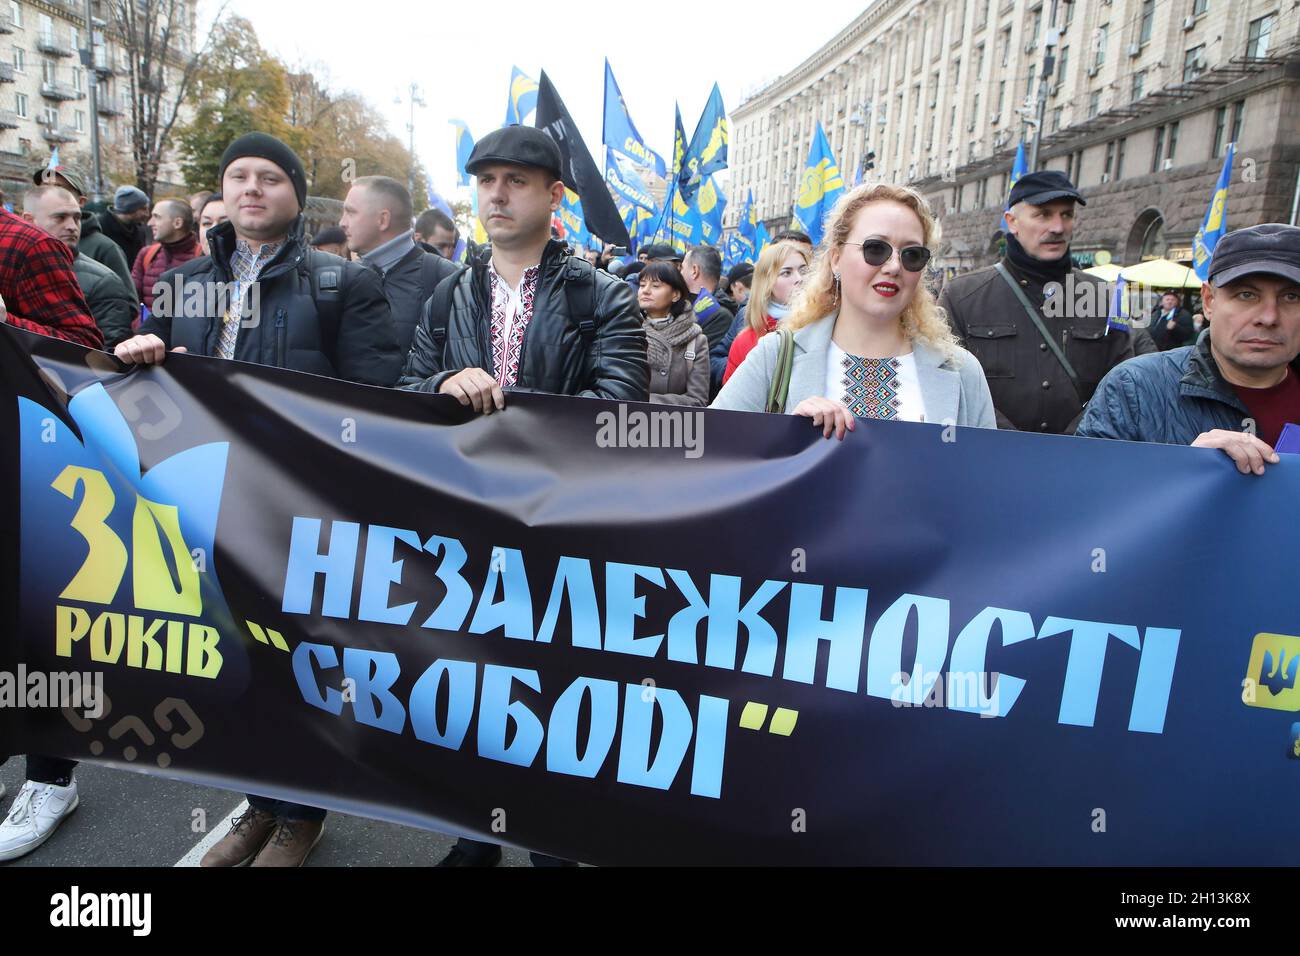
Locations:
{"points": [[520, 145], [1038, 188], [1271, 247]]}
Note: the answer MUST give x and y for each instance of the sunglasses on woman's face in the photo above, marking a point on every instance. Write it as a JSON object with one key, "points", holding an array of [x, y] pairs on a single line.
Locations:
{"points": [[876, 252]]}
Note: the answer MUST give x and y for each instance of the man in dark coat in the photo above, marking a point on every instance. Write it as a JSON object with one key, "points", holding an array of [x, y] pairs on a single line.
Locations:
{"points": [[1031, 386], [702, 270], [529, 316], [377, 223], [124, 222], [1171, 324], [293, 307], [1238, 387], [54, 210], [93, 243]]}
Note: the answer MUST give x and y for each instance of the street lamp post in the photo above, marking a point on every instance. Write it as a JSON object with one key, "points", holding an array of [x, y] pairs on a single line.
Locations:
{"points": [[414, 99], [1050, 41]]}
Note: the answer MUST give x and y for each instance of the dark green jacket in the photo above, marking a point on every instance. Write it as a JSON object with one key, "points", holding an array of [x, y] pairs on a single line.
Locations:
{"points": [[95, 245], [112, 304]]}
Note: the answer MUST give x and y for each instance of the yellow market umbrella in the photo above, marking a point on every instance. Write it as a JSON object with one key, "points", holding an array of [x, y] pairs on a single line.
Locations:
{"points": [[1109, 272], [1162, 274]]}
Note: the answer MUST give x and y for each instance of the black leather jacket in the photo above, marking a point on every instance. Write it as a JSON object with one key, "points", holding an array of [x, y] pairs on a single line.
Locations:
{"points": [[556, 357]]}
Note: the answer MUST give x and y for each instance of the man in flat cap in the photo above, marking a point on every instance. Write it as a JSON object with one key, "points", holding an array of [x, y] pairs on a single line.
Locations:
{"points": [[1037, 325], [529, 316], [1238, 386], [93, 244]]}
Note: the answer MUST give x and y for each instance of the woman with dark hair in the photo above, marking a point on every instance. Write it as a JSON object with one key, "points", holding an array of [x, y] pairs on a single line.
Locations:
{"points": [[678, 351]]}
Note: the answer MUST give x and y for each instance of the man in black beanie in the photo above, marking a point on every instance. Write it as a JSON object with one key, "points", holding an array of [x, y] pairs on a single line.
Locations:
{"points": [[283, 304], [287, 305]]}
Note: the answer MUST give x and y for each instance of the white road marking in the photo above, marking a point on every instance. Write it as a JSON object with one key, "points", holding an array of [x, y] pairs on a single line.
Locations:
{"points": [[216, 833]]}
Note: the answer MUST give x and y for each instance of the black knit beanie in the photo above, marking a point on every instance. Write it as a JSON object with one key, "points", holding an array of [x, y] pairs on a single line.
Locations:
{"points": [[266, 146]]}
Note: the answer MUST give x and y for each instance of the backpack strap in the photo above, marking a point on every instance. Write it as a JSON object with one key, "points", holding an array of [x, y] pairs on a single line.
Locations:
{"points": [[150, 255], [428, 275], [328, 286], [580, 292], [779, 390]]}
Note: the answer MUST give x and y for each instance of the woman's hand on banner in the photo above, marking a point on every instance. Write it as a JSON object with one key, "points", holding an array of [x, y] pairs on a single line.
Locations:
{"points": [[1248, 452], [827, 415], [473, 386], [143, 350]]}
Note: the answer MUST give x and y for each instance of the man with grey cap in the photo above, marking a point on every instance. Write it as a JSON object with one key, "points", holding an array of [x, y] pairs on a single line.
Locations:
{"points": [[529, 316], [1038, 326], [93, 243], [125, 220], [1238, 386]]}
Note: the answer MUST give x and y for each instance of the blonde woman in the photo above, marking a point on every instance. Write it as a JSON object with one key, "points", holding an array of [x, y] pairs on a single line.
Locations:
{"points": [[777, 277], [869, 340]]}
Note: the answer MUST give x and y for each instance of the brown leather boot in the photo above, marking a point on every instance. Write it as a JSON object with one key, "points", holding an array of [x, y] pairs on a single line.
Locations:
{"points": [[291, 843], [247, 835]]}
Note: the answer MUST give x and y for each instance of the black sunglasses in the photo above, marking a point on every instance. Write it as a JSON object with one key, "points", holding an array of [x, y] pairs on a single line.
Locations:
{"points": [[876, 252]]}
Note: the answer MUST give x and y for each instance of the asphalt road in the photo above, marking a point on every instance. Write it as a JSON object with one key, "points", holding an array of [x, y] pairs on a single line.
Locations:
{"points": [[128, 819]]}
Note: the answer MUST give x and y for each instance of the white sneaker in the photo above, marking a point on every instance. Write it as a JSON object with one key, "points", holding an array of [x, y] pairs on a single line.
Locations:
{"points": [[37, 812]]}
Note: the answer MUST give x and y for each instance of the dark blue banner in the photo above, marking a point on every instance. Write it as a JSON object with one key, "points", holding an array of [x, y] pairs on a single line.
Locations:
{"points": [[629, 634]]}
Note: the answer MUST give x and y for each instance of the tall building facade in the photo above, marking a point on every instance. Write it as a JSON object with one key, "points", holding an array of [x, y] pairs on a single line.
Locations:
{"points": [[44, 85], [1142, 100]]}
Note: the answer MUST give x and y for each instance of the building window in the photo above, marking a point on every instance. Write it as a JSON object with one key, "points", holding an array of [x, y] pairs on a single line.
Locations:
{"points": [[20, 104], [1139, 84], [1029, 84], [1094, 103], [1119, 158], [20, 60], [1035, 25], [1160, 145], [1173, 141], [1103, 34], [78, 79], [50, 116], [1002, 92], [1110, 158], [75, 36], [16, 12], [1056, 118], [47, 70], [79, 120], [1220, 122], [979, 62], [1006, 46], [1062, 65], [1069, 16], [1261, 31], [1199, 7], [1238, 115], [1193, 63], [1148, 16]]}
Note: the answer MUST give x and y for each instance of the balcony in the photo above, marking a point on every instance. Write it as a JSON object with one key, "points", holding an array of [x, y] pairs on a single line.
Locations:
{"points": [[54, 44], [6, 23], [54, 90], [109, 105], [8, 119], [60, 134], [104, 65], [6, 72]]}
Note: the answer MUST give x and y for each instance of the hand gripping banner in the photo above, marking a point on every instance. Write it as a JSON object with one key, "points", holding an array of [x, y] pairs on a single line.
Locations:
{"points": [[628, 634]]}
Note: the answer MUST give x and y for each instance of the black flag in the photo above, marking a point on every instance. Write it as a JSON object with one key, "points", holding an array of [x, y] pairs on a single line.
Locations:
{"points": [[580, 172]]}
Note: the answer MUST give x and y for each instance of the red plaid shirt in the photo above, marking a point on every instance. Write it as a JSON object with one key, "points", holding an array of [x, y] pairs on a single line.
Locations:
{"points": [[38, 286]]}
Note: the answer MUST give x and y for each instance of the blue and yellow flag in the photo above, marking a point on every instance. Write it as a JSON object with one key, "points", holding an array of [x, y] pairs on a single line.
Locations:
{"points": [[707, 152], [523, 97], [464, 146], [437, 202], [574, 222], [746, 235], [1018, 169], [1216, 220], [679, 142], [710, 205], [620, 134], [820, 187], [762, 241], [624, 183]]}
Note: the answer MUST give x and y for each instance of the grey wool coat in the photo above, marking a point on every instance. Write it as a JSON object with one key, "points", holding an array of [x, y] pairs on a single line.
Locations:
{"points": [[953, 389]]}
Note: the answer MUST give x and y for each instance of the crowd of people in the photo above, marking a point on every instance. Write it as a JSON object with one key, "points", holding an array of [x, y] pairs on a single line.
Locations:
{"points": [[845, 331]]}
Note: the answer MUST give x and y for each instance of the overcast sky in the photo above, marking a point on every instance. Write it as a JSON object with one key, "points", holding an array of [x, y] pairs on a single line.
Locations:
{"points": [[461, 54]]}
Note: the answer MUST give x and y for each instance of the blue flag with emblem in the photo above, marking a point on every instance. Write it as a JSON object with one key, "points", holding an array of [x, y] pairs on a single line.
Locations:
{"points": [[571, 217], [624, 183], [1018, 169], [679, 142], [1118, 317], [820, 187], [464, 146], [620, 133], [746, 235], [709, 206], [1215, 223], [707, 151], [523, 97], [762, 240]]}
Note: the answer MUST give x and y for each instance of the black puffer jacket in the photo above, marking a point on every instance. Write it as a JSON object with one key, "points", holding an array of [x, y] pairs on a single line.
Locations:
{"points": [[556, 357], [348, 335], [408, 285]]}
